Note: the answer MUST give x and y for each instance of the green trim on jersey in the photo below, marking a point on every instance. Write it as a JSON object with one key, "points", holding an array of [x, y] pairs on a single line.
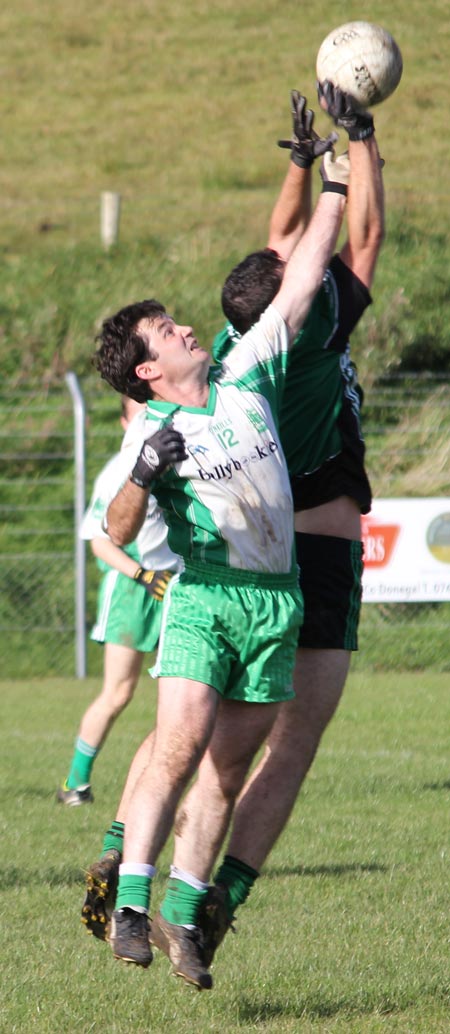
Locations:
{"points": [[168, 409], [266, 379], [192, 529]]}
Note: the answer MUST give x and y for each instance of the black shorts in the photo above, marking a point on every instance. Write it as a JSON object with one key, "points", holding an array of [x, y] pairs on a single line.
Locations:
{"points": [[331, 582]]}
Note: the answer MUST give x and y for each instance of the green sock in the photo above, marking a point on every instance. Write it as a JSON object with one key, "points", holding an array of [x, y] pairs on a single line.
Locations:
{"points": [[238, 879], [113, 839], [181, 903], [82, 762], [133, 892]]}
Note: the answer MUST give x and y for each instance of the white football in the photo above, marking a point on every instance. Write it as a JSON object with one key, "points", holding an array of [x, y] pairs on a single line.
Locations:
{"points": [[363, 60]]}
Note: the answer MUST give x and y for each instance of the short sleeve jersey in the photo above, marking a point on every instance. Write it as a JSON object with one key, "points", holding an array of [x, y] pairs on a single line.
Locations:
{"points": [[230, 502], [320, 427], [150, 548]]}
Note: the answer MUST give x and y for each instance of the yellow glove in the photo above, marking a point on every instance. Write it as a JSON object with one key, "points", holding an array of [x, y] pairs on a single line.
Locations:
{"points": [[155, 582]]}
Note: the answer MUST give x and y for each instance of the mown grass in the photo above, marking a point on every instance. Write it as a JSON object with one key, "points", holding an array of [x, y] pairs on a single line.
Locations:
{"points": [[179, 108], [346, 931]]}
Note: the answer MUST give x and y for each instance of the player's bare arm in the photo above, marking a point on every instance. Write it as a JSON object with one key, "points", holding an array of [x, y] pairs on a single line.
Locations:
{"points": [[114, 556], [126, 513], [292, 210], [365, 210], [309, 260], [365, 207]]}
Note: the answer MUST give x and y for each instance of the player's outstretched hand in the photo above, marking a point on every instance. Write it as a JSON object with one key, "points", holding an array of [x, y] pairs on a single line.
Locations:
{"points": [[305, 144], [155, 582], [158, 452], [335, 172], [344, 111]]}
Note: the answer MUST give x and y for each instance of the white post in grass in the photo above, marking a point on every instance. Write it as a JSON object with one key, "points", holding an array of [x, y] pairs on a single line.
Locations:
{"points": [[79, 418], [109, 217]]}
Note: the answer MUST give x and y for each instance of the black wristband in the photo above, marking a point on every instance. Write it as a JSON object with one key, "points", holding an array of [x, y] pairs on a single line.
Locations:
{"points": [[138, 481], [300, 162], [361, 133], [331, 187]]}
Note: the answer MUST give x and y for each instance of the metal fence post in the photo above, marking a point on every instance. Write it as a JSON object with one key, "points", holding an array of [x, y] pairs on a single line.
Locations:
{"points": [[79, 508]]}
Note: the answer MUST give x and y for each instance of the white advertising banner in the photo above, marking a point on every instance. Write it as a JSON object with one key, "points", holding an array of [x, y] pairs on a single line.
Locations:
{"points": [[407, 550]]}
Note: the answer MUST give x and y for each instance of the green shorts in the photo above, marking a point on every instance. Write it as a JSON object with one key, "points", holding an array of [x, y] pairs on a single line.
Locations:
{"points": [[233, 630], [126, 614]]}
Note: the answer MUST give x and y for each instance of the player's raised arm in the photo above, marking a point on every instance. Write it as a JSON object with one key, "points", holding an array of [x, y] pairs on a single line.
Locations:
{"points": [[292, 210], [309, 260], [365, 206]]}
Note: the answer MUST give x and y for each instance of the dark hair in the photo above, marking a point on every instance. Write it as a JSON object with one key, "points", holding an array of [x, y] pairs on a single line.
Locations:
{"points": [[122, 349], [250, 288]]}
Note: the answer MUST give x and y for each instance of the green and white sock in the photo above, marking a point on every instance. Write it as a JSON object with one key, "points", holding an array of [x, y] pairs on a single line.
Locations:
{"points": [[81, 766], [134, 886], [183, 897]]}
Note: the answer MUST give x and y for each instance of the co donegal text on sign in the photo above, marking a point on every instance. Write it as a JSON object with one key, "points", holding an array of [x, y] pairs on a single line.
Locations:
{"points": [[407, 550]]}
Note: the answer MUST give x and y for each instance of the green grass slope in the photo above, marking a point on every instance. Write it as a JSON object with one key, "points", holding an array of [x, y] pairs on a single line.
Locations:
{"points": [[178, 107]]}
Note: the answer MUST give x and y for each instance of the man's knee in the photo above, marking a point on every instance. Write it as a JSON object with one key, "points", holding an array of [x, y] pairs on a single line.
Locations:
{"points": [[301, 723], [115, 698]]}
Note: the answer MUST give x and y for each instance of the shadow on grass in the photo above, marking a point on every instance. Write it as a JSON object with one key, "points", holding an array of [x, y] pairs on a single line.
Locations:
{"points": [[437, 786], [31, 793], [265, 1011], [48, 877], [319, 1006], [323, 870]]}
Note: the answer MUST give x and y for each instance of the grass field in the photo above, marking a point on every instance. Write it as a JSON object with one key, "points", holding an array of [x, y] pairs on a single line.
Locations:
{"points": [[178, 107], [345, 933]]}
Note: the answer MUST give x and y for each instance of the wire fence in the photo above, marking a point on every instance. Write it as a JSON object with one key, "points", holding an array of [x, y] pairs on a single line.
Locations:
{"points": [[38, 546]]}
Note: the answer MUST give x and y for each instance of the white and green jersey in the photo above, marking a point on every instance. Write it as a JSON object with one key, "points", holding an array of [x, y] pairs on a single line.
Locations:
{"points": [[150, 548], [230, 502]]}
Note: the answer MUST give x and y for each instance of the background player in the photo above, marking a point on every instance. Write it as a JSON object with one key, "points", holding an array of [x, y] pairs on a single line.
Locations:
{"points": [[128, 617]]}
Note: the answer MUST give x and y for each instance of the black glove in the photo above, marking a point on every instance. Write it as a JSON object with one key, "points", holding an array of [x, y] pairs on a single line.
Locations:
{"points": [[155, 582], [344, 111], [305, 143], [158, 452]]}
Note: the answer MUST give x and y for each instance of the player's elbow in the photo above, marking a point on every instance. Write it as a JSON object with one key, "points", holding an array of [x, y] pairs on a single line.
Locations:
{"points": [[369, 247], [377, 233], [119, 535], [117, 529]]}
